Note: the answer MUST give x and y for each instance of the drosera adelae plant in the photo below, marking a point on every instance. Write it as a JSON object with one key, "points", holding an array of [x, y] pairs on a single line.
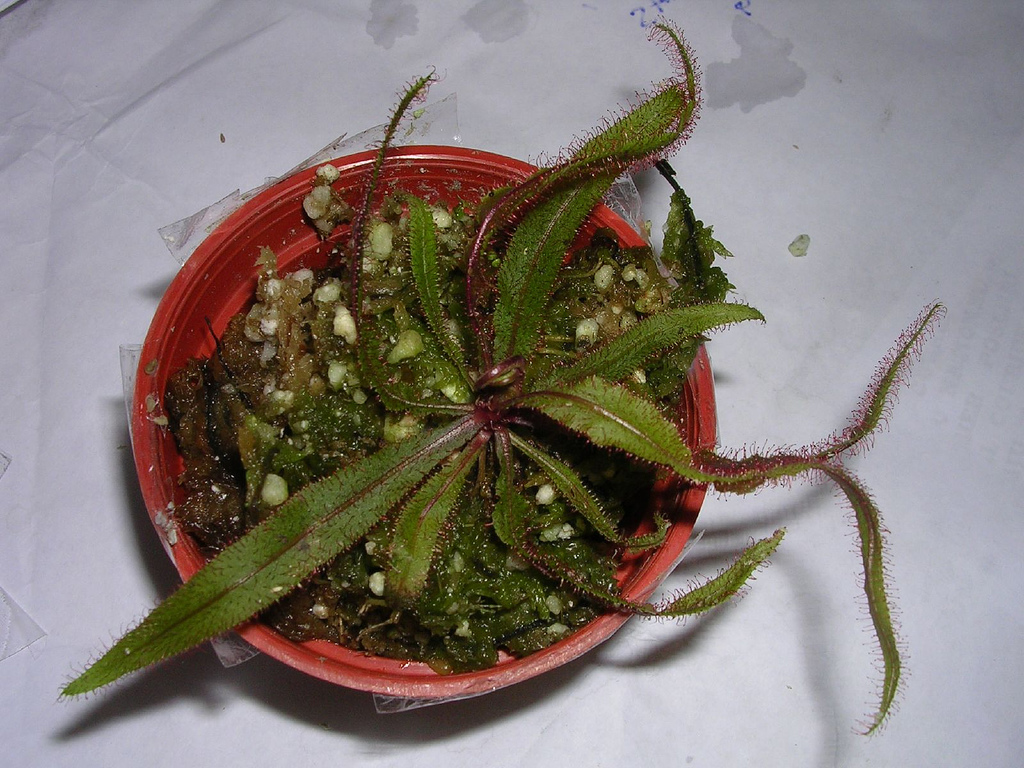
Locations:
{"points": [[507, 390]]}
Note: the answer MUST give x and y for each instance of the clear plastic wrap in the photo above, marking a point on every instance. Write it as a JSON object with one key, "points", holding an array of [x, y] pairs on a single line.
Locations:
{"points": [[624, 199], [17, 628], [436, 123], [389, 705]]}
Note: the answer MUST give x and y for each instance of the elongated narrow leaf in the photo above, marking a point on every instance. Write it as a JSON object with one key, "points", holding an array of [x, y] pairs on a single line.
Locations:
{"points": [[636, 346], [648, 130], [416, 90], [507, 472], [759, 469], [396, 393], [515, 510], [869, 530], [893, 369], [422, 519], [570, 485], [725, 585], [613, 417], [272, 559], [534, 256], [543, 237], [641, 135], [423, 261], [700, 599]]}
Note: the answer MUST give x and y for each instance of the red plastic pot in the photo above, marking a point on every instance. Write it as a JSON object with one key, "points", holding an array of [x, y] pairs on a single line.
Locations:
{"points": [[219, 280]]}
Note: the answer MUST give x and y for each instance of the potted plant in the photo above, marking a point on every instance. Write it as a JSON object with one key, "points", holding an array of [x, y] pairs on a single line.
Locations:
{"points": [[208, 293], [422, 434]]}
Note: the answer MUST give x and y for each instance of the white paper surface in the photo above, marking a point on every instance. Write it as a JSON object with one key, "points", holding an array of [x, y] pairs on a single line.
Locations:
{"points": [[889, 133]]}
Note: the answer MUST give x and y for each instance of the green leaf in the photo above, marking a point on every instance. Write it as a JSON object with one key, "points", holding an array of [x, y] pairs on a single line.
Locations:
{"points": [[725, 585], [416, 90], [613, 417], [386, 380], [642, 132], [650, 128], [515, 511], [700, 599], [758, 469], [423, 261], [558, 198], [313, 526], [501, 515], [570, 485], [872, 550], [755, 470], [893, 369], [535, 255], [421, 521], [655, 334]]}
